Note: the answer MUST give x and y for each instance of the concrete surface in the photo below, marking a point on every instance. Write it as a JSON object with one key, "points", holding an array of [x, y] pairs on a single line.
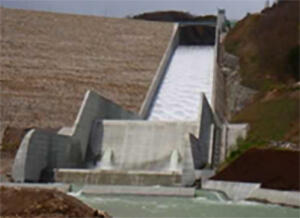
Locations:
{"points": [[233, 133], [40, 152], [117, 177], [94, 107], [234, 190], [291, 198], [58, 186], [208, 141], [160, 73], [138, 190], [145, 145]]}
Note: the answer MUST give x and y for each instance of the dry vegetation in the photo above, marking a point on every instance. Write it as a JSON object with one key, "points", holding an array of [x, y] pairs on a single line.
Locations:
{"points": [[264, 42], [266, 45], [49, 60]]}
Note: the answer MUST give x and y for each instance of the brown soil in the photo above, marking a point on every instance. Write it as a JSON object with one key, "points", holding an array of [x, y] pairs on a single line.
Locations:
{"points": [[35, 202], [49, 60], [263, 43], [274, 169]]}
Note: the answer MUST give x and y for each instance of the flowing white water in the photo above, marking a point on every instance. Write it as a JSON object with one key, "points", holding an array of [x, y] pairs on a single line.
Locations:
{"points": [[190, 73]]}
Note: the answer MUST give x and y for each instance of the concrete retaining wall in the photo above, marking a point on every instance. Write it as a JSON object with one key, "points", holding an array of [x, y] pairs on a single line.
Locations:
{"points": [[208, 136], [291, 198], [234, 190], [96, 107], [162, 151], [160, 73], [242, 191], [117, 177], [138, 190], [233, 133], [218, 92], [146, 145], [40, 152], [58, 186]]}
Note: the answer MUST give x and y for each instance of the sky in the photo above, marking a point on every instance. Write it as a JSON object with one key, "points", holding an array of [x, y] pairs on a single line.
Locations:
{"points": [[235, 9]]}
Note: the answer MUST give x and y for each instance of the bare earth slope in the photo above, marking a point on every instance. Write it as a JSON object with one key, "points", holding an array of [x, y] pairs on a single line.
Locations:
{"points": [[49, 60], [37, 202]]}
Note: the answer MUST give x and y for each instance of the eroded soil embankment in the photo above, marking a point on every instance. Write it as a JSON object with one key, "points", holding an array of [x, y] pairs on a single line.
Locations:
{"points": [[36, 202], [274, 169]]}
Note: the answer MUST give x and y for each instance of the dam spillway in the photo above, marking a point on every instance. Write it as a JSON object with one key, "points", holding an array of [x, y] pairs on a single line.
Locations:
{"points": [[190, 72], [174, 134]]}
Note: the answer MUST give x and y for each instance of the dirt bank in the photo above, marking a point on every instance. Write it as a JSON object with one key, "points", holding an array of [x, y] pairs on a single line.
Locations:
{"points": [[35, 202], [49, 60], [275, 169]]}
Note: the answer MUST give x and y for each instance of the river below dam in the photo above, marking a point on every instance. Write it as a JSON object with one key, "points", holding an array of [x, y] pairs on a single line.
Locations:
{"points": [[138, 206]]}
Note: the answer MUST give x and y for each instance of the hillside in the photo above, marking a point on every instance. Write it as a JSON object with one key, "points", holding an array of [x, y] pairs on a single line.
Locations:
{"points": [[49, 60], [268, 46], [265, 44]]}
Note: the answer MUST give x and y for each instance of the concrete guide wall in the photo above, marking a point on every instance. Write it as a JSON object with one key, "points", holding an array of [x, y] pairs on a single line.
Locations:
{"points": [[95, 107], [40, 152], [160, 73], [234, 190], [138, 190], [117, 177]]}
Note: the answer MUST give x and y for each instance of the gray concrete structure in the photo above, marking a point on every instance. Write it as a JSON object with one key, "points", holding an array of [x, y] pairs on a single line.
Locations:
{"points": [[160, 73], [41, 151], [237, 191], [127, 146], [234, 190], [233, 133], [118, 177], [138, 190], [290, 198], [129, 150], [57, 186], [95, 107]]}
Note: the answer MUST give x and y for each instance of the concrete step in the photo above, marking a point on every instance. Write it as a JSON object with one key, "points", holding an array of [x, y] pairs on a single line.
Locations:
{"points": [[138, 190]]}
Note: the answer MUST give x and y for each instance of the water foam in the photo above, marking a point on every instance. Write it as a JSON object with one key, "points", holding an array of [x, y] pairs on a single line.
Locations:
{"points": [[190, 73]]}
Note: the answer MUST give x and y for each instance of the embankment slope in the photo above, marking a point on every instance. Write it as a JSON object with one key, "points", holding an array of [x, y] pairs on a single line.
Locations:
{"points": [[49, 60]]}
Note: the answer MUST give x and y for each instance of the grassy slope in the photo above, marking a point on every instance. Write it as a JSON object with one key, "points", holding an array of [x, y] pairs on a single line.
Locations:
{"points": [[263, 42]]}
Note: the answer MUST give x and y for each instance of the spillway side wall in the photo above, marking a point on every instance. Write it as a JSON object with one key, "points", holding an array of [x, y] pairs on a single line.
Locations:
{"points": [[208, 142], [160, 73], [218, 92], [218, 99], [40, 152], [95, 107]]}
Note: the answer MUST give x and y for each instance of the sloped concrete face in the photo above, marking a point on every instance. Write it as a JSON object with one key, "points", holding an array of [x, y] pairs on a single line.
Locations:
{"points": [[95, 107], [234, 190]]}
